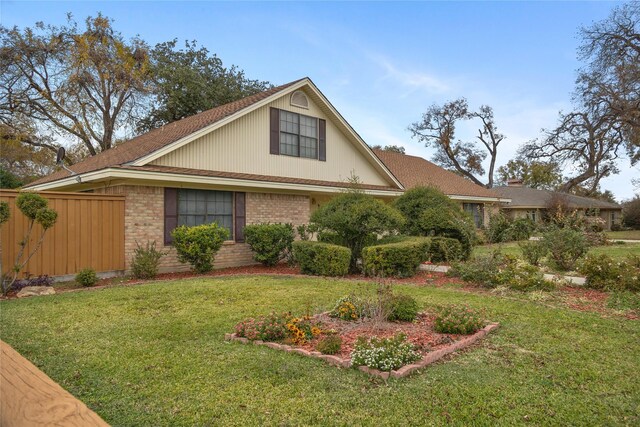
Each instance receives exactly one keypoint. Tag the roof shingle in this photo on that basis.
(531, 197)
(413, 171)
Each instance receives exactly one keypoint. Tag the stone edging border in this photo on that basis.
(428, 359)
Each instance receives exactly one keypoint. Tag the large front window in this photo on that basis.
(298, 135)
(196, 207)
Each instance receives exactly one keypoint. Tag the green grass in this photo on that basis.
(625, 235)
(154, 354)
(616, 251)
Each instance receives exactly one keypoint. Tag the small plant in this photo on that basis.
(269, 242)
(348, 308)
(198, 245)
(266, 328)
(145, 261)
(330, 344)
(604, 273)
(404, 308)
(302, 329)
(385, 354)
(87, 277)
(565, 246)
(321, 259)
(456, 319)
(533, 251)
(42, 280)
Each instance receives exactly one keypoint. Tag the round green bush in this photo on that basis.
(198, 245)
(404, 308)
(565, 246)
(456, 319)
(270, 243)
(399, 259)
(330, 344)
(321, 259)
(87, 277)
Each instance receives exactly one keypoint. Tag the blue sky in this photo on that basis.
(382, 63)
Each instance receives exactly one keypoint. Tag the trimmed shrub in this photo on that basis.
(330, 344)
(456, 319)
(565, 247)
(321, 259)
(501, 270)
(355, 217)
(445, 249)
(429, 212)
(502, 229)
(30, 204)
(270, 243)
(87, 277)
(385, 354)
(533, 251)
(198, 245)
(145, 261)
(404, 308)
(520, 229)
(399, 259)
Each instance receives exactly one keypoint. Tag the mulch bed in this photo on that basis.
(420, 333)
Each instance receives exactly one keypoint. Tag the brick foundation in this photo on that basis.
(144, 221)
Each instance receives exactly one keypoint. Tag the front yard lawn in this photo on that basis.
(155, 354)
(624, 235)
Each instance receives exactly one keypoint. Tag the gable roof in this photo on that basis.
(525, 197)
(156, 139)
(413, 171)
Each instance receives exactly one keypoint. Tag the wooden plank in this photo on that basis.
(31, 398)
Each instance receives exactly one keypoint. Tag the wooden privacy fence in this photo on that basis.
(89, 233)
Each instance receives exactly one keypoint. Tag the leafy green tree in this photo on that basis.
(357, 218)
(631, 213)
(191, 80)
(534, 174)
(429, 212)
(78, 83)
(8, 180)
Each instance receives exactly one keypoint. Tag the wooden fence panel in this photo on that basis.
(89, 233)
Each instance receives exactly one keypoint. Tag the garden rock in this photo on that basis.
(34, 291)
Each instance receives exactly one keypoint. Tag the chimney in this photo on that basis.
(514, 182)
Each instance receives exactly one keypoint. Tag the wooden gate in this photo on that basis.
(89, 233)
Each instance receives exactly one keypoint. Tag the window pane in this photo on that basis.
(196, 207)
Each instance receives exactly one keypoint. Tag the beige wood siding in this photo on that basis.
(243, 146)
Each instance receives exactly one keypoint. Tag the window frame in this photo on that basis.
(232, 215)
(299, 135)
(478, 220)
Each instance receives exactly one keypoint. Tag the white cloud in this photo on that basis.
(414, 80)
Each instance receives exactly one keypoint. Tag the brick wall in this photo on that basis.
(144, 221)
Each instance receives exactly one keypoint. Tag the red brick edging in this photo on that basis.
(428, 359)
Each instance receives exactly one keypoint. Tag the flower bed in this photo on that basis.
(417, 341)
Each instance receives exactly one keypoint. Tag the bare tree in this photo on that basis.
(86, 85)
(437, 129)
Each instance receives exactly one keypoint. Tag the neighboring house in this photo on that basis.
(271, 157)
(532, 203)
(415, 171)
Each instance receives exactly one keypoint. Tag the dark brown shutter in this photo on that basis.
(240, 216)
(274, 144)
(322, 140)
(170, 213)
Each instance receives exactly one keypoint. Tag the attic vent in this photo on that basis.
(299, 99)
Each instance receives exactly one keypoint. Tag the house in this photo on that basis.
(532, 203)
(271, 157)
(413, 171)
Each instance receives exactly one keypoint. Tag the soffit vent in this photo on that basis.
(299, 99)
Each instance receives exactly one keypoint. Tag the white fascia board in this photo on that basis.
(116, 173)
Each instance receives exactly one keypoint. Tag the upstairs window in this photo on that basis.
(297, 135)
